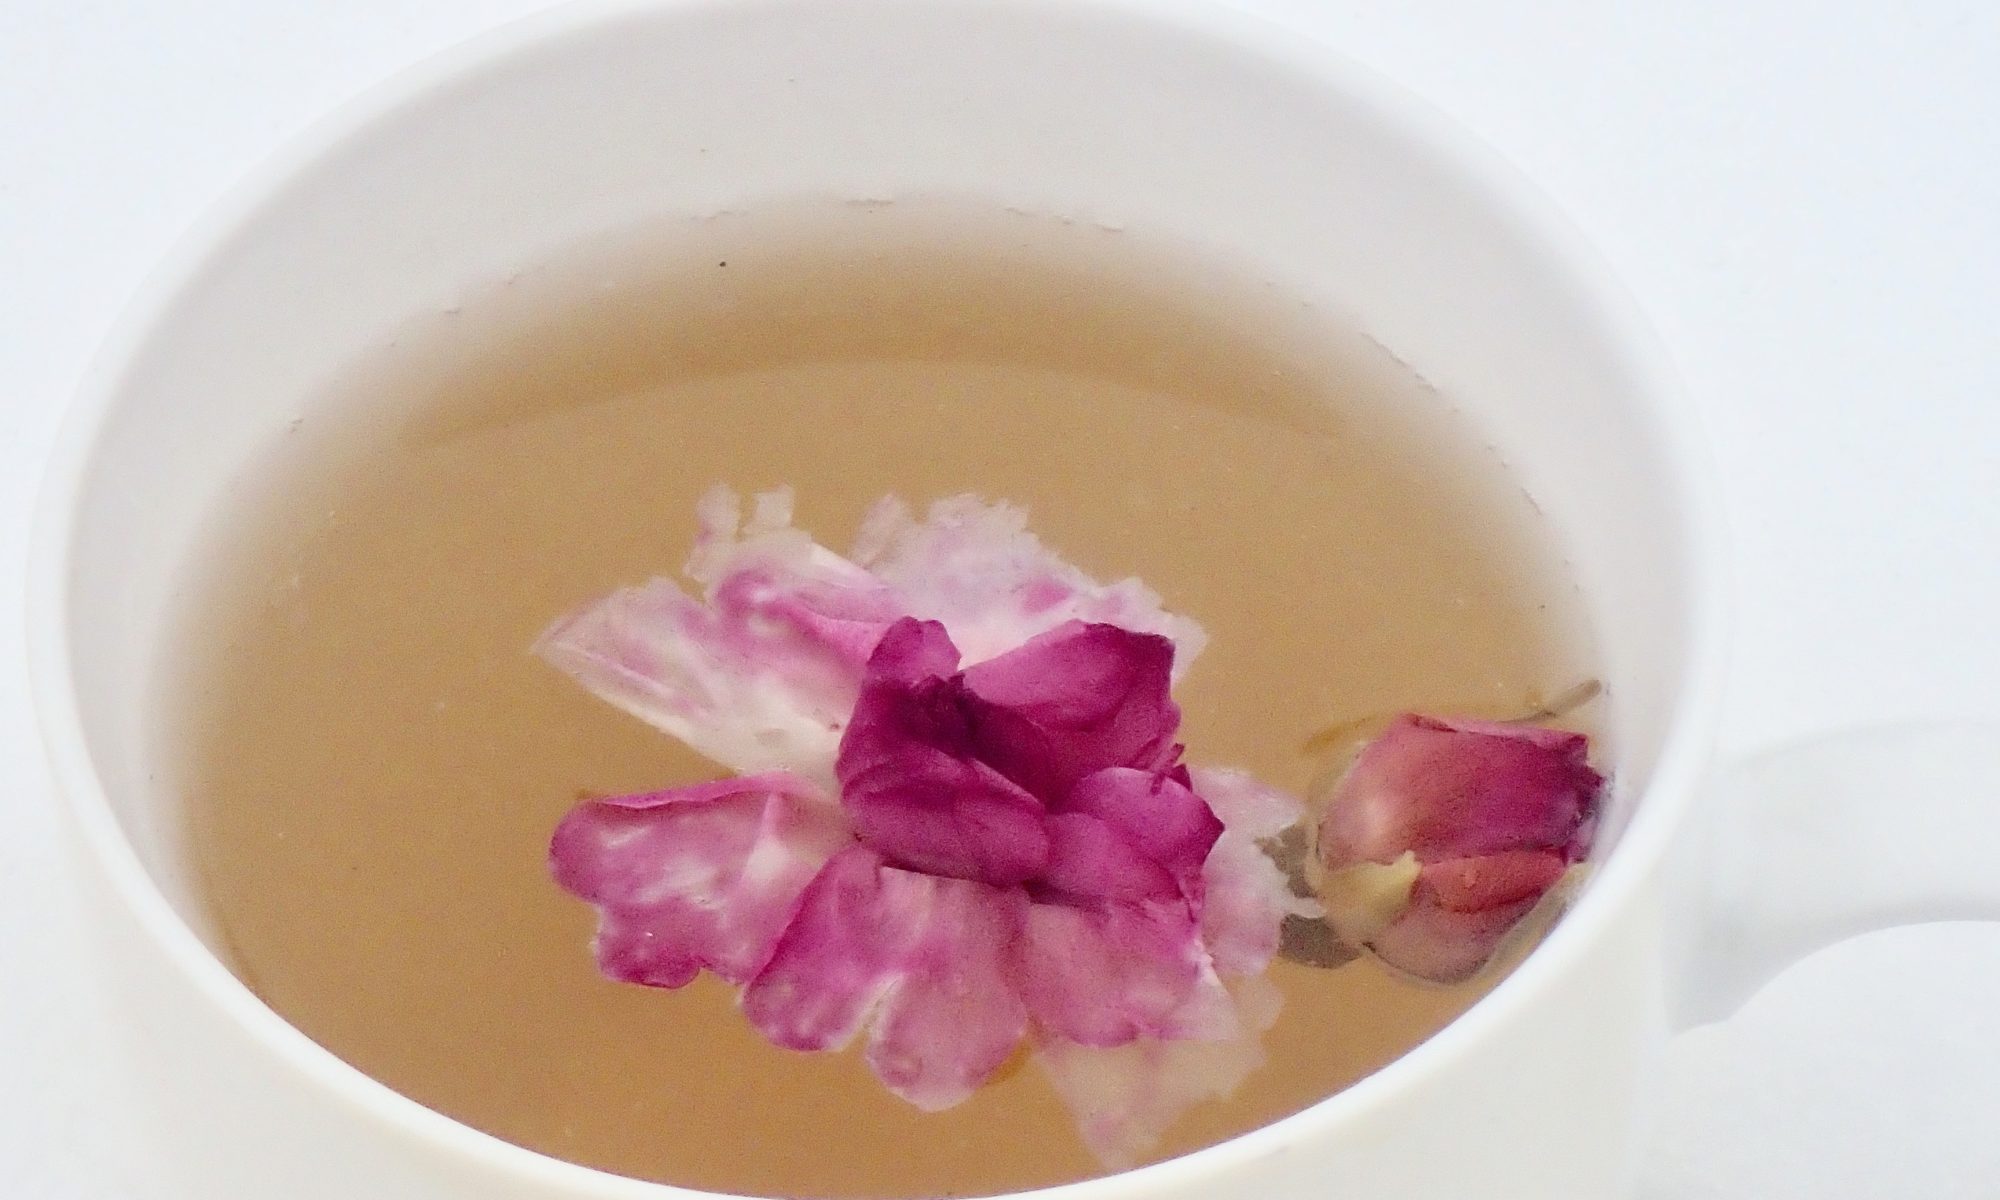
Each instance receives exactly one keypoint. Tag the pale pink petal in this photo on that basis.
(917, 959)
(1244, 908)
(696, 877)
(1108, 972)
(759, 677)
(1245, 804)
(830, 967)
(1246, 896)
(1124, 1098)
(975, 567)
(766, 566)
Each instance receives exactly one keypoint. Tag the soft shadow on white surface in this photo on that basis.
(81, 1140)
(1871, 1071)
(118, 124)
(66, 1124)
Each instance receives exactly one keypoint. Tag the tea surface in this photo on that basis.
(373, 761)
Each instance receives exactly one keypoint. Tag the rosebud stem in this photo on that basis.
(1561, 704)
(1564, 703)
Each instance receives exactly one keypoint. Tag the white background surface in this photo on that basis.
(1806, 196)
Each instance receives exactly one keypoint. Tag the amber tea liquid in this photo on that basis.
(372, 761)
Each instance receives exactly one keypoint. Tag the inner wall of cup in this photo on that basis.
(1060, 109)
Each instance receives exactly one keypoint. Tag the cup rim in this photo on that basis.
(1503, 188)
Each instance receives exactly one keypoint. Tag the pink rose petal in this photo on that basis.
(1246, 897)
(696, 877)
(1071, 701)
(952, 1018)
(1125, 1097)
(975, 567)
(909, 779)
(917, 959)
(762, 675)
(1245, 805)
(1092, 859)
(1160, 814)
(1491, 880)
(1112, 971)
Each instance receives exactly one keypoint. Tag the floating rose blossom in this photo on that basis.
(1444, 834)
(962, 820)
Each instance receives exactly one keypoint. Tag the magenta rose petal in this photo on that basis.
(696, 877)
(1071, 701)
(912, 652)
(919, 958)
(950, 817)
(1090, 858)
(975, 567)
(911, 782)
(1104, 973)
(1486, 817)
(1161, 816)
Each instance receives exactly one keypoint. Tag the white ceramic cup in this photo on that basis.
(1171, 117)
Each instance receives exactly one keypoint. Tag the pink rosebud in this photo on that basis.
(1444, 834)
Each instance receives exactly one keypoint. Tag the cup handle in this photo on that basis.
(1800, 848)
